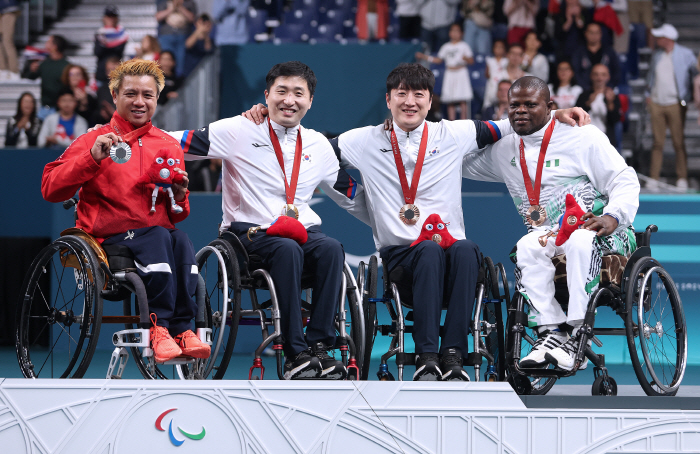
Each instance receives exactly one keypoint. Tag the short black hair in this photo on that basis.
(60, 43)
(172, 55)
(458, 24)
(292, 69)
(531, 82)
(65, 91)
(205, 17)
(412, 76)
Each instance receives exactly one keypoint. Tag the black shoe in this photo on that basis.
(331, 369)
(451, 365)
(303, 365)
(427, 367)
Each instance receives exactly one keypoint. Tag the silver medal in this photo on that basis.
(120, 152)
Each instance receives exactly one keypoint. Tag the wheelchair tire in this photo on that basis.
(356, 323)
(370, 309)
(215, 367)
(659, 350)
(537, 385)
(604, 386)
(62, 289)
(492, 313)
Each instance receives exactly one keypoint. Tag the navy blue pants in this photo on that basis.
(439, 275)
(285, 260)
(165, 262)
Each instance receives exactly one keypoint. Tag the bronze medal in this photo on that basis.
(536, 215)
(571, 220)
(290, 210)
(409, 214)
(437, 238)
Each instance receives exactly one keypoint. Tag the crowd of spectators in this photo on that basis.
(573, 45)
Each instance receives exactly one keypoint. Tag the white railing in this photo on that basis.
(197, 103)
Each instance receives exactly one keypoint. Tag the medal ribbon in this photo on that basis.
(409, 193)
(534, 195)
(290, 188)
(129, 136)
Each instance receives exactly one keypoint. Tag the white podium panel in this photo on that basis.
(145, 417)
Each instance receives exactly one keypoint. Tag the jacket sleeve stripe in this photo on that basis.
(487, 132)
(186, 140)
(345, 184)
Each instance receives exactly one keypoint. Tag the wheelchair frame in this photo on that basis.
(242, 278)
(487, 325)
(95, 281)
(635, 287)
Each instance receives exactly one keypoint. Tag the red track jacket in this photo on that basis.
(111, 202)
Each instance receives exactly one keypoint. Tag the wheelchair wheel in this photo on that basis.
(656, 331)
(492, 314)
(523, 384)
(58, 322)
(355, 321)
(223, 304)
(370, 310)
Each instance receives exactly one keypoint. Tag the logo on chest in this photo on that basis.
(305, 157)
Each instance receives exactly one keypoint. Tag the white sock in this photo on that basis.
(552, 328)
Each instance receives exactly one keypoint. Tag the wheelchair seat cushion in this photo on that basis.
(120, 257)
(612, 269)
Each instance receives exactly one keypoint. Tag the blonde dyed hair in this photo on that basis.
(136, 67)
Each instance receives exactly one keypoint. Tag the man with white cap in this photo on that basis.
(669, 85)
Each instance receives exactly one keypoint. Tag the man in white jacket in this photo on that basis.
(577, 161)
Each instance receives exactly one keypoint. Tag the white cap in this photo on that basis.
(666, 31)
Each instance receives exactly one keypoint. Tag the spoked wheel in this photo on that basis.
(656, 331)
(218, 266)
(537, 385)
(355, 323)
(492, 315)
(58, 322)
(369, 290)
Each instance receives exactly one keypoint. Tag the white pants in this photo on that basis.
(535, 275)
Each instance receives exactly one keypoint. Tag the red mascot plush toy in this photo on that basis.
(435, 230)
(570, 220)
(285, 227)
(162, 173)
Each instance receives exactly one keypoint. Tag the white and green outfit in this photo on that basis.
(580, 161)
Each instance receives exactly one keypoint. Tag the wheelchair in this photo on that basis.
(645, 297)
(487, 325)
(60, 313)
(245, 272)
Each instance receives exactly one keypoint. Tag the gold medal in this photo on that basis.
(536, 215)
(409, 214)
(290, 210)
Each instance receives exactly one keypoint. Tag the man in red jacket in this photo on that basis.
(115, 209)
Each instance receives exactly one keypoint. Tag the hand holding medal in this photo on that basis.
(103, 145)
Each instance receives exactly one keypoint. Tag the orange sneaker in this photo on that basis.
(163, 345)
(192, 346)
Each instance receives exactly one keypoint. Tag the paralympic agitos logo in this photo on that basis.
(173, 439)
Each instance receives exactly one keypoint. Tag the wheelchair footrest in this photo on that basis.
(406, 359)
(141, 338)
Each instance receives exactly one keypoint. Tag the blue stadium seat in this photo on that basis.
(333, 17)
(439, 72)
(477, 74)
(304, 16)
(256, 25)
(325, 33)
(290, 33)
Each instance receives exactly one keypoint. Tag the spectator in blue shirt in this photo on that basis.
(63, 127)
(199, 44)
(230, 18)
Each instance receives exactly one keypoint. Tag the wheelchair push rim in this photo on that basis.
(61, 306)
(657, 335)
